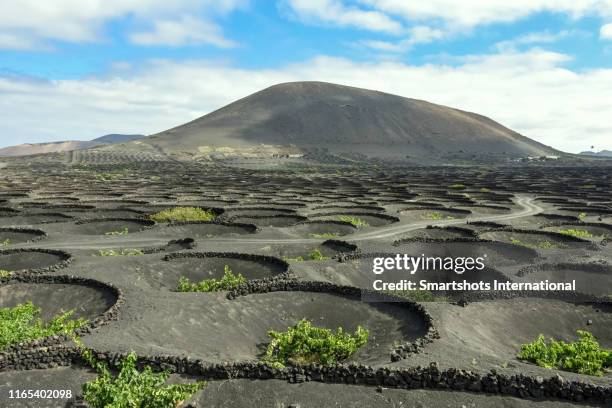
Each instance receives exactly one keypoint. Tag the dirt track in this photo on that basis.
(527, 207)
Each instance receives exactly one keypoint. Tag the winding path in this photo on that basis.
(527, 204)
(527, 207)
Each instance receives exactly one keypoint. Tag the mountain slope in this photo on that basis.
(64, 146)
(603, 153)
(116, 138)
(342, 118)
(39, 148)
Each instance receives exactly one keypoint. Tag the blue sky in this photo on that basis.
(77, 69)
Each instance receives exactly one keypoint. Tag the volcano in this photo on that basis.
(307, 115)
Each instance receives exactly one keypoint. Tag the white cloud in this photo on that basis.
(32, 23)
(543, 37)
(15, 41)
(184, 31)
(606, 32)
(470, 13)
(529, 91)
(439, 18)
(335, 12)
(418, 35)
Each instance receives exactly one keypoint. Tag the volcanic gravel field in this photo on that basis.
(459, 350)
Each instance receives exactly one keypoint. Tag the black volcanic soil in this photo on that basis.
(30, 259)
(506, 324)
(19, 235)
(280, 220)
(598, 231)
(267, 215)
(111, 226)
(53, 299)
(199, 266)
(595, 279)
(537, 239)
(238, 393)
(61, 378)
(32, 219)
(498, 254)
(309, 228)
(245, 393)
(208, 229)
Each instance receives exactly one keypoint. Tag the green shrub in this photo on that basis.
(577, 233)
(23, 323)
(229, 281)
(417, 295)
(107, 176)
(325, 235)
(537, 245)
(132, 388)
(436, 216)
(458, 186)
(582, 215)
(584, 356)
(121, 252)
(296, 259)
(6, 242)
(305, 343)
(314, 255)
(179, 214)
(357, 222)
(123, 231)
(548, 245)
(433, 216)
(5, 274)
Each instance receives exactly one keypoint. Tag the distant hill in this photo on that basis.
(306, 115)
(603, 153)
(64, 146)
(117, 138)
